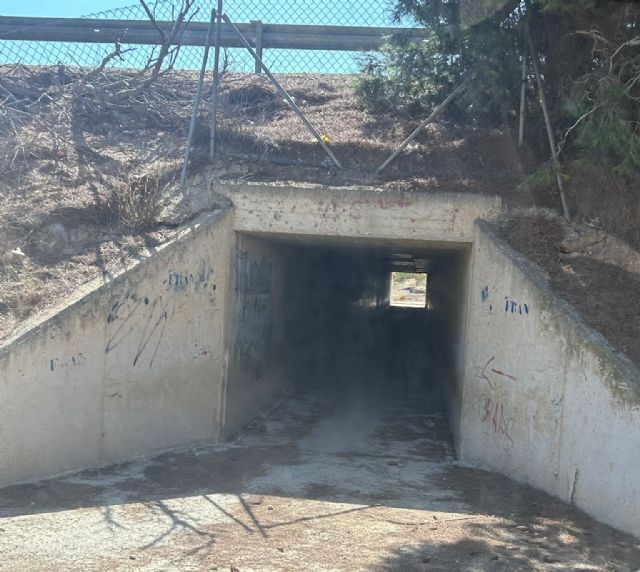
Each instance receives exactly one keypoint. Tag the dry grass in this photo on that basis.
(138, 202)
(81, 177)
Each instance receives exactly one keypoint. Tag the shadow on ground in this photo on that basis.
(344, 477)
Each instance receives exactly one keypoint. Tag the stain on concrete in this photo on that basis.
(254, 313)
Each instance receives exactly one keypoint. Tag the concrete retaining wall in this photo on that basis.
(547, 401)
(135, 366)
(359, 213)
(191, 343)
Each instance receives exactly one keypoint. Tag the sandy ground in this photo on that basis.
(333, 478)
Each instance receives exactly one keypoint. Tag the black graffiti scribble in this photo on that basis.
(146, 337)
(152, 331)
(115, 340)
(515, 307)
(179, 281)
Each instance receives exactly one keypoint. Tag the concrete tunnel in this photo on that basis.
(286, 289)
(313, 311)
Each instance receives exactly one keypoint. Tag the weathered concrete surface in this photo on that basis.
(546, 399)
(358, 212)
(134, 366)
(189, 345)
(448, 288)
(258, 321)
(340, 477)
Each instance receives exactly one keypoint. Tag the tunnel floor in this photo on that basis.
(336, 476)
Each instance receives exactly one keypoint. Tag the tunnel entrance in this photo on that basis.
(315, 314)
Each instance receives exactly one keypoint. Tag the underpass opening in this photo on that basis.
(314, 314)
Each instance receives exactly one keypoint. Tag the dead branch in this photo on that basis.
(128, 87)
(618, 64)
(118, 52)
(171, 42)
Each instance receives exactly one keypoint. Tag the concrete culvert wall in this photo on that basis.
(546, 399)
(290, 290)
(155, 358)
(134, 366)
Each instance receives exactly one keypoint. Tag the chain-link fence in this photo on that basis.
(369, 13)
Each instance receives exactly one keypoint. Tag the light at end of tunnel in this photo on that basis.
(408, 290)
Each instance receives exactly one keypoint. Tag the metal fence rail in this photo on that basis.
(308, 36)
(264, 36)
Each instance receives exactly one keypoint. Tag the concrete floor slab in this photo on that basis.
(332, 478)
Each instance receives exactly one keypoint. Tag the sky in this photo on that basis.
(328, 12)
(62, 8)
(354, 12)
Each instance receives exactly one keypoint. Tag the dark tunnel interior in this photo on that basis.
(316, 312)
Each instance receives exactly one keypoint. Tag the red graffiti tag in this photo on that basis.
(494, 413)
(492, 384)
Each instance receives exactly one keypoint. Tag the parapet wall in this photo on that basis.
(546, 399)
(354, 212)
(136, 365)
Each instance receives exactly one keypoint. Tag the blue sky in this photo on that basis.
(62, 8)
(332, 12)
(337, 12)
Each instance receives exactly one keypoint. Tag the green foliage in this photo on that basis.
(411, 77)
(543, 178)
(400, 277)
(407, 77)
(588, 53)
(606, 106)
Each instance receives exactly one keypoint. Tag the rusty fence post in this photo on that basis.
(290, 102)
(196, 102)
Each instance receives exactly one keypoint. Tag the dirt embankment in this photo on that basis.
(86, 184)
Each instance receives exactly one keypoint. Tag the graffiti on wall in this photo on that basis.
(67, 362)
(254, 313)
(140, 321)
(197, 280)
(484, 296)
(493, 414)
(512, 306)
(493, 376)
(493, 409)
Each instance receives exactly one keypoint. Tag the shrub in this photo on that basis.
(138, 203)
(406, 76)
